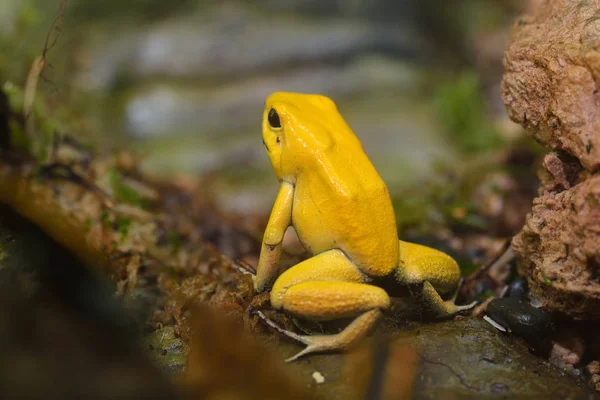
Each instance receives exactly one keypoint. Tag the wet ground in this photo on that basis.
(463, 358)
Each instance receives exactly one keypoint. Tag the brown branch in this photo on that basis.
(38, 67)
(57, 26)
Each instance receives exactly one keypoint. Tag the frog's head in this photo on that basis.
(298, 129)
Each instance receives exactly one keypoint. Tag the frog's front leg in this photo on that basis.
(270, 253)
(429, 274)
(327, 287)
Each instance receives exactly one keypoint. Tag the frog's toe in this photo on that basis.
(301, 338)
(307, 350)
(319, 344)
(470, 306)
(453, 309)
(457, 309)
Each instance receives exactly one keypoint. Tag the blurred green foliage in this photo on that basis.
(46, 125)
(461, 109)
(138, 9)
(16, 53)
(442, 201)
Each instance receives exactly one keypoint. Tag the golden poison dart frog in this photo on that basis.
(342, 213)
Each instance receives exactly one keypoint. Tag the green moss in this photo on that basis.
(18, 137)
(123, 192)
(467, 266)
(105, 218)
(123, 225)
(547, 281)
(485, 295)
(461, 109)
(168, 269)
(174, 241)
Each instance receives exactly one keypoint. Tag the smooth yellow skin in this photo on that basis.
(343, 215)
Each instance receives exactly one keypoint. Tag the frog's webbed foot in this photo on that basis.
(434, 304)
(340, 341)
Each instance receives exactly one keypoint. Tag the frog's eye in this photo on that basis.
(273, 118)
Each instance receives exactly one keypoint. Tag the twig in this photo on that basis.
(56, 26)
(504, 256)
(64, 172)
(37, 69)
(243, 267)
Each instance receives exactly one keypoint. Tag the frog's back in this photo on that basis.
(342, 202)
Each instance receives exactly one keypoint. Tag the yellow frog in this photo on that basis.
(343, 215)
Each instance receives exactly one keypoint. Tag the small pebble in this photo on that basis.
(318, 377)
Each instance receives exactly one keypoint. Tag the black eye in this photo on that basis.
(273, 119)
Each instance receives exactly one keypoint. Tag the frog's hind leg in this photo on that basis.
(329, 287)
(428, 272)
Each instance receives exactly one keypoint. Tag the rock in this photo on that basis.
(517, 288)
(469, 357)
(550, 87)
(551, 70)
(560, 250)
(519, 317)
(463, 358)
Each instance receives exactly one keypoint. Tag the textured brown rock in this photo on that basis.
(550, 87)
(552, 69)
(560, 251)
